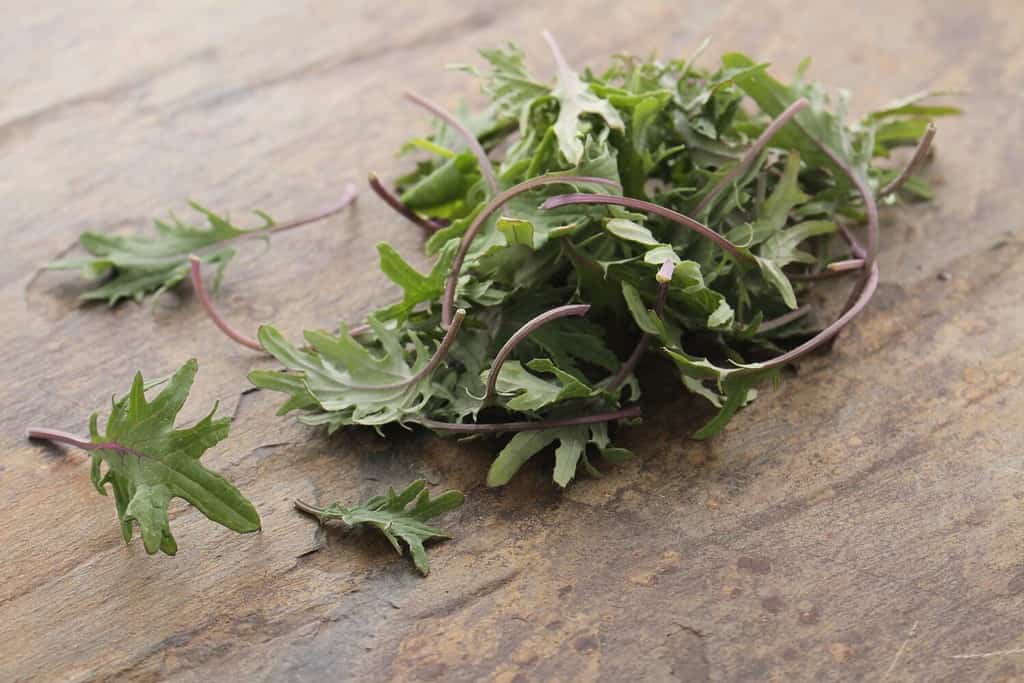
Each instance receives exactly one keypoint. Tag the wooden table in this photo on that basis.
(862, 522)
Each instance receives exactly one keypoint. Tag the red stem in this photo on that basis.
(398, 205)
(58, 436)
(832, 330)
(650, 207)
(347, 197)
(785, 318)
(211, 310)
(482, 159)
(522, 333)
(920, 152)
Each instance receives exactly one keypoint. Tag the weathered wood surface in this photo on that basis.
(863, 522)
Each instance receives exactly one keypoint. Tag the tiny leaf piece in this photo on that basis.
(147, 462)
(392, 515)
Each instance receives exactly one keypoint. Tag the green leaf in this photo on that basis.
(735, 386)
(575, 99)
(626, 229)
(775, 213)
(138, 266)
(531, 393)
(163, 463)
(350, 383)
(391, 515)
(815, 121)
(417, 288)
(448, 183)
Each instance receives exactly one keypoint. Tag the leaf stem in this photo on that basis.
(486, 169)
(920, 152)
(309, 509)
(856, 248)
(785, 318)
(522, 333)
(531, 425)
(748, 157)
(467, 238)
(347, 197)
(58, 436)
(211, 311)
(650, 207)
(392, 200)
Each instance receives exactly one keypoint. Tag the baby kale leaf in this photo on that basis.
(140, 265)
(147, 462)
(391, 515)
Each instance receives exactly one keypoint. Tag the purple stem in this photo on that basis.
(347, 197)
(748, 158)
(211, 310)
(650, 207)
(58, 436)
(484, 162)
(398, 205)
(832, 330)
(785, 318)
(435, 360)
(920, 152)
(856, 248)
(487, 212)
(664, 277)
(532, 425)
(521, 334)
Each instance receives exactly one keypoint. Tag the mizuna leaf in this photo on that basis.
(146, 462)
(392, 516)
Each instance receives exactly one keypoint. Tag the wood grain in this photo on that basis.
(863, 522)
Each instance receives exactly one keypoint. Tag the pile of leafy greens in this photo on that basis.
(576, 227)
(692, 206)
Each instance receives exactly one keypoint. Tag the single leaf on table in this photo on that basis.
(140, 265)
(392, 516)
(147, 462)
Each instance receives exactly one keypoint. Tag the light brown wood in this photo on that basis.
(863, 522)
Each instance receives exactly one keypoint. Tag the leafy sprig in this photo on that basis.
(146, 462)
(399, 516)
(136, 266)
